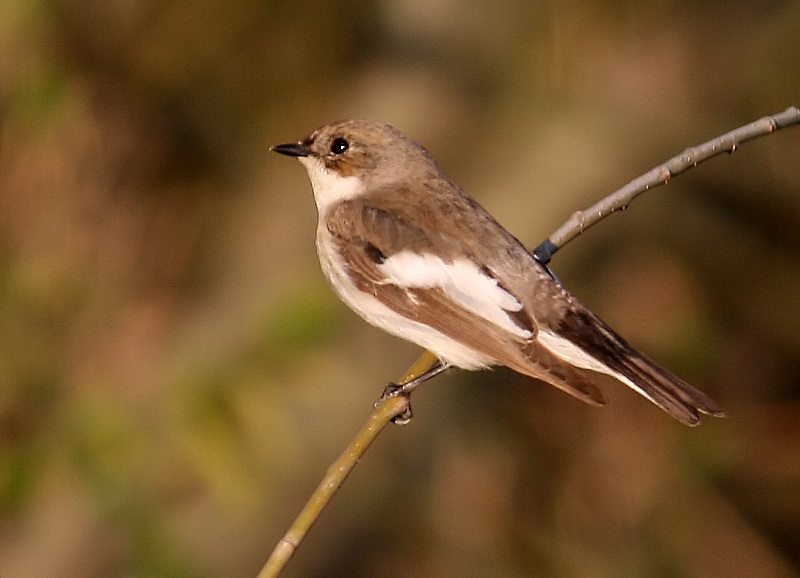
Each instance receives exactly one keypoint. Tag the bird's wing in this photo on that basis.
(434, 278)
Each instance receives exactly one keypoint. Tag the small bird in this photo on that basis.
(414, 255)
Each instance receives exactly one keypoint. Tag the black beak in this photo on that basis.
(291, 150)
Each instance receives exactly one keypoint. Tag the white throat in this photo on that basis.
(329, 187)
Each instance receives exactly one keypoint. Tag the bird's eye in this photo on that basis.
(339, 145)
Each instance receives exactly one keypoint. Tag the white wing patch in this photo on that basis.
(462, 281)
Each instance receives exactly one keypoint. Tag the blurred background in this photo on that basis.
(176, 376)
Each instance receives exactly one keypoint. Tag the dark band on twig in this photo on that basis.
(544, 252)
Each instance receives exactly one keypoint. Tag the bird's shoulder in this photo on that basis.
(402, 218)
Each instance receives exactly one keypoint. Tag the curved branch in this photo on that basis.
(691, 157)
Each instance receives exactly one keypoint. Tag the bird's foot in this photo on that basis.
(393, 390)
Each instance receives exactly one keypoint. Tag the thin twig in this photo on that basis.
(391, 407)
(385, 411)
(691, 157)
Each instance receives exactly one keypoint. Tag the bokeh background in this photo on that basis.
(175, 375)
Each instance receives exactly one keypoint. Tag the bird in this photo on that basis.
(414, 255)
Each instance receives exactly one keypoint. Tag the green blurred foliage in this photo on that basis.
(175, 376)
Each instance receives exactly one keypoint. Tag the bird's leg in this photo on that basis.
(394, 389)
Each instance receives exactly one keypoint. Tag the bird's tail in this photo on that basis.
(584, 340)
(663, 388)
(642, 374)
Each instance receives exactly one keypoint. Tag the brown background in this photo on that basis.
(175, 376)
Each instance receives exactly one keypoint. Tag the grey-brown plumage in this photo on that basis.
(407, 249)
